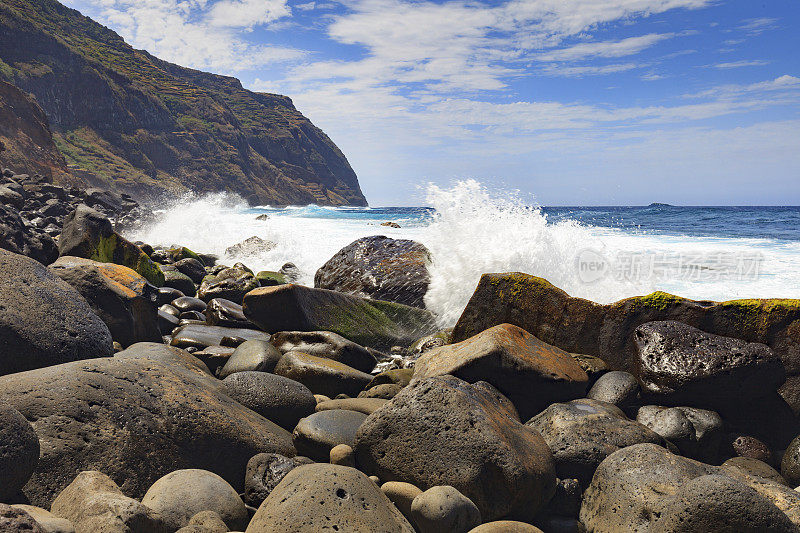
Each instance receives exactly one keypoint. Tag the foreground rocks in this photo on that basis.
(19, 451)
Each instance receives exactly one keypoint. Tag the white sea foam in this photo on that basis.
(474, 231)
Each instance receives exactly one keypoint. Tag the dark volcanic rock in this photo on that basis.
(43, 320)
(322, 375)
(135, 419)
(583, 432)
(371, 323)
(122, 298)
(264, 472)
(282, 400)
(531, 373)
(444, 431)
(16, 237)
(253, 355)
(321, 497)
(617, 387)
(683, 364)
(325, 344)
(696, 432)
(19, 451)
(192, 268)
(202, 335)
(179, 281)
(316, 434)
(222, 312)
(231, 284)
(15, 520)
(380, 268)
(790, 464)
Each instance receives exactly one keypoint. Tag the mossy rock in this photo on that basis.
(269, 278)
(183, 253)
(180, 281)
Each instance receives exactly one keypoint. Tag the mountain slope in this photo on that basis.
(128, 121)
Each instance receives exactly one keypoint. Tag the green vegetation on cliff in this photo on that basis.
(129, 121)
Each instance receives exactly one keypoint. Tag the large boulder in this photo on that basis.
(135, 419)
(254, 355)
(531, 373)
(445, 431)
(202, 336)
(230, 284)
(606, 331)
(697, 433)
(322, 375)
(280, 399)
(317, 434)
(43, 320)
(13, 519)
(583, 432)
(325, 344)
(372, 323)
(89, 234)
(683, 365)
(122, 298)
(19, 451)
(19, 238)
(395, 270)
(324, 497)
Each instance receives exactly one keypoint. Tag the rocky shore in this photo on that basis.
(149, 389)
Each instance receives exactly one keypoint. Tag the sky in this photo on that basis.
(571, 102)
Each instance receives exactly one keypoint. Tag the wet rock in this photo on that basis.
(790, 464)
(89, 234)
(683, 364)
(125, 412)
(249, 247)
(444, 508)
(696, 432)
(168, 355)
(253, 355)
(188, 303)
(180, 495)
(313, 497)
(444, 431)
(264, 472)
(214, 357)
(325, 344)
(166, 295)
(618, 388)
(123, 299)
(202, 335)
(222, 312)
(18, 238)
(583, 432)
(374, 324)
(19, 451)
(322, 375)
(179, 281)
(192, 268)
(13, 519)
(167, 322)
(362, 405)
(230, 284)
(318, 433)
(532, 374)
(276, 398)
(379, 268)
(93, 502)
(269, 278)
(43, 320)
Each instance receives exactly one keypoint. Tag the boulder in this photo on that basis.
(401, 495)
(169, 355)
(202, 336)
(230, 284)
(371, 323)
(13, 520)
(192, 268)
(506, 526)
(444, 431)
(205, 522)
(444, 508)
(253, 355)
(583, 432)
(617, 387)
(276, 398)
(18, 238)
(93, 502)
(318, 497)
(222, 312)
(269, 278)
(753, 468)
(43, 320)
(264, 472)
(19, 451)
(790, 464)
(249, 247)
(187, 303)
(325, 344)
(316, 434)
(531, 373)
(322, 375)
(49, 522)
(697, 433)
(179, 281)
(342, 454)
(182, 494)
(679, 363)
(362, 405)
(122, 298)
(118, 414)
(89, 234)
(394, 270)
(606, 331)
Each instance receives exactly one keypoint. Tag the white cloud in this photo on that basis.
(741, 64)
(588, 70)
(246, 13)
(605, 49)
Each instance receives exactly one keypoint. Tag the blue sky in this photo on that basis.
(577, 102)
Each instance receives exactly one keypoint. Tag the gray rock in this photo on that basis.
(444, 431)
(168, 355)
(319, 497)
(322, 375)
(362, 405)
(325, 344)
(19, 451)
(264, 472)
(318, 433)
(253, 355)
(276, 398)
(619, 388)
(18, 238)
(179, 281)
(506, 526)
(205, 522)
(192, 268)
(222, 312)
(180, 495)
(696, 432)
(43, 320)
(202, 336)
(444, 508)
(583, 432)
(188, 303)
(230, 283)
(790, 464)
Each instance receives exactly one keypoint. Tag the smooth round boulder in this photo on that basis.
(264, 472)
(316, 434)
(257, 355)
(180, 495)
(325, 344)
(325, 497)
(14, 520)
(205, 522)
(222, 312)
(342, 454)
(506, 526)
(401, 494)
(188, 303)
(719, 504)
(44, 321)
(697, 433)
(790, 464)
(192, 268)
(583, 432)
(19, 451)
(362, 405)
(444, 508)
(444, 431)
(617, 387)
(276, 398)
(322, 375)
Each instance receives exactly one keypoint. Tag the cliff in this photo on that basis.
(128, 121)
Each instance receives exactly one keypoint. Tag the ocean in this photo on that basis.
(600, 253)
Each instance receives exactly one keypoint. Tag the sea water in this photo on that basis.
(600, 253)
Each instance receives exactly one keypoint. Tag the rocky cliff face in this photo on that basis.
(126, 120)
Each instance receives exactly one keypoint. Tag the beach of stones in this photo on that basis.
(152, 389)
